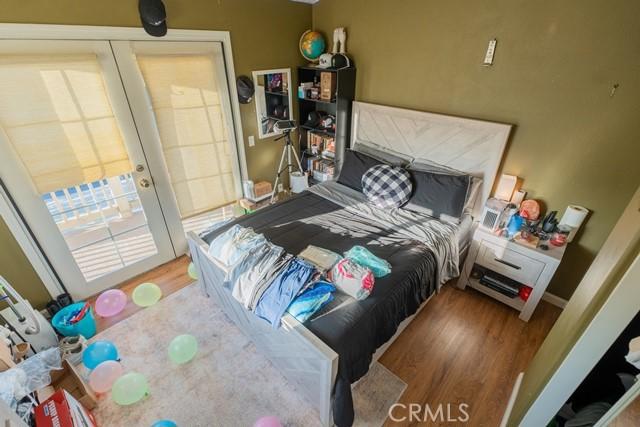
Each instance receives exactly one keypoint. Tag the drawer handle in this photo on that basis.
(501, 261)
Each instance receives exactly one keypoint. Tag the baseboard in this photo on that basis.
(512, 399)
(554, 300)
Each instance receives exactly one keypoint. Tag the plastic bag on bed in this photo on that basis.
(362, 256)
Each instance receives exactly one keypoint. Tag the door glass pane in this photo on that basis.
(58, 120)
(184, 92)
(103, 224)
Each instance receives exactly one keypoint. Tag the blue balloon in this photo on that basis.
(164, 423)
(98, 352)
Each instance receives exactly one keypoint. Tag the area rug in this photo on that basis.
(228, 383)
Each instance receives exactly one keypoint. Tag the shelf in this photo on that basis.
(259, 199)
(312, 68)
(516, 302)
(317, 101)
(269, 92)
(316, 130)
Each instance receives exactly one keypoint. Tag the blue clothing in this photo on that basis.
(282, 290)
(311, 300)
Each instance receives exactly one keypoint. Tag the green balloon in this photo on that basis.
(146, 294)
(183, 348)
(193, 273)
(129, 388)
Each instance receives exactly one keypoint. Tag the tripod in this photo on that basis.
(286, 151)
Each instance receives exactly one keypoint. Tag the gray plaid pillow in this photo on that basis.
(386, 186)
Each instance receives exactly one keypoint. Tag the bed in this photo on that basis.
(332, 350)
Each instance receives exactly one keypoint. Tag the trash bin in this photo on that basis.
(85, 326)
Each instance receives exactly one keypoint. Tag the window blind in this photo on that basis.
(184, 93)
(55, 113)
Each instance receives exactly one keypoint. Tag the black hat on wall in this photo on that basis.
(245, 89)
(153, 16)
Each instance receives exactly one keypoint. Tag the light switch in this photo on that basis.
(252, 141)
(491, 50)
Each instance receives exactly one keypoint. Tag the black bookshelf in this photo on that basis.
(339, 106)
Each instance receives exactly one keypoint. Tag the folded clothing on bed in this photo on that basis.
(353, 279)
(316, 296)
(283, 289)
(270, 274)
(323, 259)
(232, 245)
(363, 256)
(247, 273)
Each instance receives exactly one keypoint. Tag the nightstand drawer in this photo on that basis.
(510, 263)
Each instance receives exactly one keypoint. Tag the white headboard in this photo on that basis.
(467, 145)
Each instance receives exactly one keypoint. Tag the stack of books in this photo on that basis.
(321, 145)
(323, 150)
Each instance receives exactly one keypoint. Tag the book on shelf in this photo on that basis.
(329, 154)
(318, 143)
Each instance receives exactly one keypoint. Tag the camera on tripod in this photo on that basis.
(288, 152)
(283, 126)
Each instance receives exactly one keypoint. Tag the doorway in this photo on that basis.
(112, 150)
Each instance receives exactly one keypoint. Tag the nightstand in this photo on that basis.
(498, 267)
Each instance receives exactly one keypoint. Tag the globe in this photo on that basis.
(312, 45)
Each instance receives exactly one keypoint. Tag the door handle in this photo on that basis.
(507, 263)
(144, 183)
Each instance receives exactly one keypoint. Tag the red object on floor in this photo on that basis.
(63, 410)
(525, 291)
(78, 317)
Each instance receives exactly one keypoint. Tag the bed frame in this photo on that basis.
(472, 146)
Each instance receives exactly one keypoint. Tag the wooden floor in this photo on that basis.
(170, 277)
(463, 348)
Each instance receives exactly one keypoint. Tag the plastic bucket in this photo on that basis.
(85, 327)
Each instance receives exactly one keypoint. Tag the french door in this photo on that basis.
(179, 97)
(104, 153)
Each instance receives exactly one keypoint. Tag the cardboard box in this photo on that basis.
(69, 379)
(62, 410)
(327, 86)
(262, 188)
(6, 361)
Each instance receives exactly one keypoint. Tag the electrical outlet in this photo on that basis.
(280, 189)
(491, 51)
(252, 141)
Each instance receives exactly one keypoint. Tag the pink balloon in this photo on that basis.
(104, 375)
(111, 302)
(268, 421)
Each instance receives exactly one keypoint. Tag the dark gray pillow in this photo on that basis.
(388, 157)
(438, 195)
(353, 167)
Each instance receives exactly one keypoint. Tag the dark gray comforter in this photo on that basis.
(353, 329)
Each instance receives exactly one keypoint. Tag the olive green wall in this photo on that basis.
(555, 64)
(264, 35)
(15, 267)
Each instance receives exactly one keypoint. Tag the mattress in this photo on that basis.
(353, 329)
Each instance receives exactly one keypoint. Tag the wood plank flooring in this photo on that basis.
(464, 347)
(170, 277)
